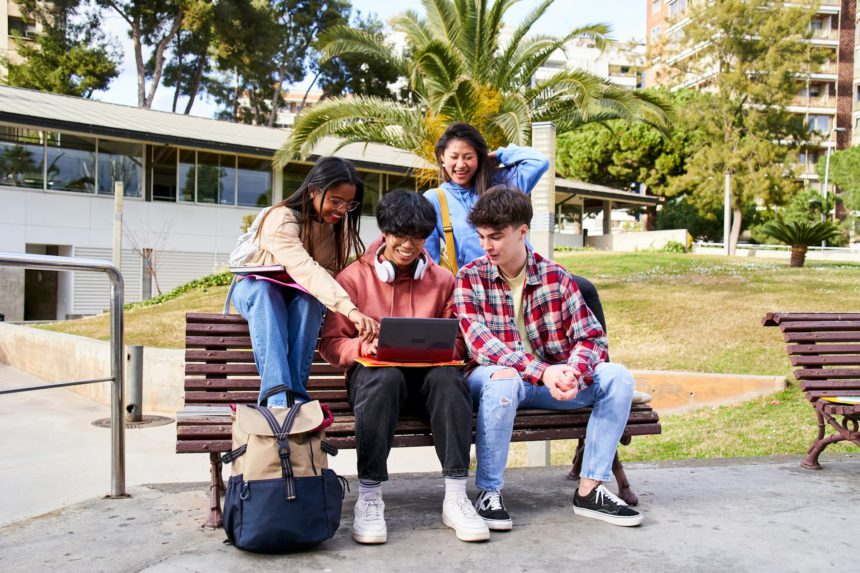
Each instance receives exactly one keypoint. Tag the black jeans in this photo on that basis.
(379, 395)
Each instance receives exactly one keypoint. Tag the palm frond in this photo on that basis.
(801, 233)
(519, 33)
(443, 20)
(358, 119)
(414, 27)
(513, 120)
(343, 40)
(437, 65)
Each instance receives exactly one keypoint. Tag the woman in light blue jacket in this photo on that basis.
(468, 169)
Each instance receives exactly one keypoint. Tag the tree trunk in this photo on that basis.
(737, 220)
(138, 60)
(198, 77)
(798, 255)
(650, 222)
(178, 72)
(158, 66)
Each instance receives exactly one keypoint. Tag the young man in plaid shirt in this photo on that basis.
(535, 344)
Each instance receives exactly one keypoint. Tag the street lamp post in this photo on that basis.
(824, 210)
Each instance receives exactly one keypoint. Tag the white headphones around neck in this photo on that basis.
(387, 271)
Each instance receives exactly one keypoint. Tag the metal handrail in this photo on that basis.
(117, 377)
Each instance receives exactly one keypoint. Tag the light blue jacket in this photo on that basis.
(523, 167)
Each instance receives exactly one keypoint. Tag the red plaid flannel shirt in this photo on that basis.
(560, 327)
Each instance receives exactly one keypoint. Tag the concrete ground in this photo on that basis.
(762, 514)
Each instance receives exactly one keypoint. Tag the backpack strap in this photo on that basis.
(264, 397)
(282, 435)
(451, 251)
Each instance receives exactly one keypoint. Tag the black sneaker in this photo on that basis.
(492, 510)
(604, 505)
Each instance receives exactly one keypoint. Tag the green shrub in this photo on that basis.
(219, 279)
(673, 247)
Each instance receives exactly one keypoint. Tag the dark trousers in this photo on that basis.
(379, 395)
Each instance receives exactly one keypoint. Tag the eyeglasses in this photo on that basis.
(341, 205)
(400, 240)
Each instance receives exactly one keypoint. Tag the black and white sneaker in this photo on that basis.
(492, 510)
(604, 505)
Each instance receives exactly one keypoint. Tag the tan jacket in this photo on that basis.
(280, 243)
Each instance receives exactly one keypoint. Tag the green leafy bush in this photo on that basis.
(219, 279)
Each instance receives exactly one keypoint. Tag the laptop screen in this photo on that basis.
(417, 339)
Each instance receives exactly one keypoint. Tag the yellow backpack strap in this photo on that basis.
(448, 230)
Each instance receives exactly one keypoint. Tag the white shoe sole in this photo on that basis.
(499, 524)
(370, 538)
(614, 520)
(467, 535)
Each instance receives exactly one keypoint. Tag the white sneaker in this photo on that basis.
(369, 523)
(459, 514)
(641, 397)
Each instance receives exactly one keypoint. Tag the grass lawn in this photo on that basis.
(664, 312)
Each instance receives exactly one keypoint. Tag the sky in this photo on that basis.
(626, 18)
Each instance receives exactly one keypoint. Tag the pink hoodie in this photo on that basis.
(429, 297)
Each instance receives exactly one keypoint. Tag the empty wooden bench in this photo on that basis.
(825, 348)
(220, 371)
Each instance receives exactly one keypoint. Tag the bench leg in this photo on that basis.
(216, 490)
(576, 469)
(624, 491)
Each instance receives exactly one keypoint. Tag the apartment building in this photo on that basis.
(831, 97)
(14, 28)
(622, 63)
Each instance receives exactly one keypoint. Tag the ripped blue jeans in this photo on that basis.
(499, 399)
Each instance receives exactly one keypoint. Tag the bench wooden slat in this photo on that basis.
(844, 360)
(818, 337)
(775, 318)
(826, 373)
(223, 384)
(202, 329)
(240, 356)
(235, 342)
(820, 326)
(210, 318)
(817, 349)
(847, 384)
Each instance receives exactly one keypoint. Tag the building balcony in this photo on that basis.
(824, 101)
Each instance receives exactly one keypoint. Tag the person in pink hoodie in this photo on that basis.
(397, 278)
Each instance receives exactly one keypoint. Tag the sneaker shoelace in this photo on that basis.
(601, 493)
(492, 500)
(465, 508)
(371, 509)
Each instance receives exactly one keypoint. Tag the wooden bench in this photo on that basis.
(220, 370)
(825, 348)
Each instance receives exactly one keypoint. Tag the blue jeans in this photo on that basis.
(498, 400)
(284, 325)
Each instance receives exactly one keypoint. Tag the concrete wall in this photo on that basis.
(638, 241)
(58, 357)
(568, 240)
(845, 255)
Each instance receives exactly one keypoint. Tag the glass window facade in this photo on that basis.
(162, 167)
(227, 181)
(120, 161)
(254, 182)
(372, 192)
(71, 163)
(187, 175)
(22, 157)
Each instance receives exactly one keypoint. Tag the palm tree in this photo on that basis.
(458, 68)
(800, 235)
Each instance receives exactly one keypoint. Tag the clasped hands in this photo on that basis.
(562, 380)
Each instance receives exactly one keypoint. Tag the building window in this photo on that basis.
(655, 6)
(71, 163)
(120, 161)
(187, 175)
(162, 162)
(655, 33)
(254, 182)
(22, 157)
(807, 157)
(21, 29)
(819, 123)
(371, 192)
(814, 90)
(678, 7)
(216, 178)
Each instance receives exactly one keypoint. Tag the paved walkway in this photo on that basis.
(762, 514)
